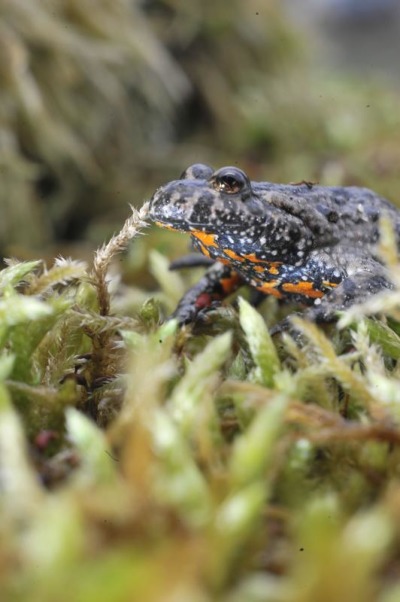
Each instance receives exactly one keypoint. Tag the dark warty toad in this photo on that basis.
(310, 244)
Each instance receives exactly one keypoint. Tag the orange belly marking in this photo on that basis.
(208, 240)
(271, 266)
(204, 250)
(233, 255)
(330, 284)
(252, 257)
(269, 288)
(302, 288)
(229, 285)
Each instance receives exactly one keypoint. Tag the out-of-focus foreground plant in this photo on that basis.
(143, 461)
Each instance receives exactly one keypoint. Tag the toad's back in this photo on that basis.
(355, 210)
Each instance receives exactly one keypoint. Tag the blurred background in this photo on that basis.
(102, 101)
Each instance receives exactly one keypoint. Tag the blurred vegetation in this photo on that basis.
(139, 461)
(142, 461)
(100, 103)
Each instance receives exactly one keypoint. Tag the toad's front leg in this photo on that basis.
(218, 282)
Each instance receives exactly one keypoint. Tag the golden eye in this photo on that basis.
(229, 180)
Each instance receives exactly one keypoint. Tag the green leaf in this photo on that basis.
(16, 309)
(170, 282)
(385, 337)
(240, 513)
(6, 365)
(177, 478)
(63, 271)
(339, 557)
(254, 450)
(96, 459)
(19, 489)
(30, 319)
(15, 273)
(260, 343)
(189, 392)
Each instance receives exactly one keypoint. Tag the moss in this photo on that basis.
(131, 449)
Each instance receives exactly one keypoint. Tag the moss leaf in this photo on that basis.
(260, 343)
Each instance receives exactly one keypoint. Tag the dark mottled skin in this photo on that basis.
(306, 243)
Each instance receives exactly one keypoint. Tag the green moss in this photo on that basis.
(212, 462)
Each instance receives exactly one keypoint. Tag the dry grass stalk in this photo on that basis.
(106, 253)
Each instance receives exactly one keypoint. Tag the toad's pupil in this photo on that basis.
(229, 184)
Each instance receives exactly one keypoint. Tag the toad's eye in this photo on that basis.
(229, 180)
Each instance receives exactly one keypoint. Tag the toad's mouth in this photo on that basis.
(179, 225)
(167, 226)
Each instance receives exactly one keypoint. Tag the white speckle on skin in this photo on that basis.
(317, 301)
(175, 196)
